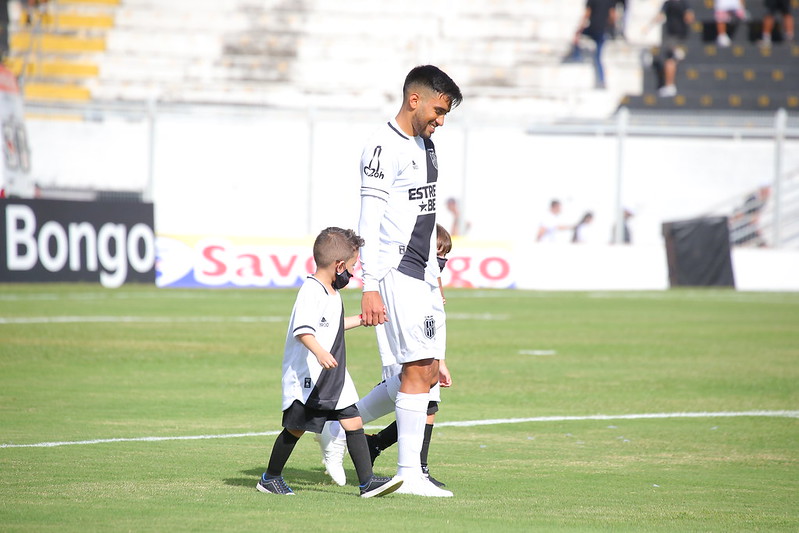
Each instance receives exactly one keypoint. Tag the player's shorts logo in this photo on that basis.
(429, 327)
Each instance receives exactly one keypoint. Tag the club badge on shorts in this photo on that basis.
(429, 327)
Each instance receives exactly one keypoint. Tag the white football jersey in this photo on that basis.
(321, 314)
(398, 204)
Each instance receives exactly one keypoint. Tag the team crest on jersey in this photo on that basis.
(324, 323)
(433, 158)
(429, 327)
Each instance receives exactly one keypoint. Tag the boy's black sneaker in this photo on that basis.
(434, 481)
(374, 449)
(274, 485)
(380, 486)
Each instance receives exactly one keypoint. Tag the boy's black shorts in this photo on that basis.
(301, 417)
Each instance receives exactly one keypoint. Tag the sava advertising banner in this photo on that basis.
(186, 261)
(57, 241)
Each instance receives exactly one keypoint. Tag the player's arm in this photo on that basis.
(353, 322)
(324, 357)
(376, 179)
(444, 377)
(372, 209)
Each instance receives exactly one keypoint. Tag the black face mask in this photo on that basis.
(341, 280)
(441, 262)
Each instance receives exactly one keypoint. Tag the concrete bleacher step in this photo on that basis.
(731, 77)
(53, 68)
(766, 101)
(48, 43)
(56, 92)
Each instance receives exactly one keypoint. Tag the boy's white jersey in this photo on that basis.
(321, 314)
(398, 205)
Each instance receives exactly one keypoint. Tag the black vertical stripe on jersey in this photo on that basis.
(327, 391)
(417, 251)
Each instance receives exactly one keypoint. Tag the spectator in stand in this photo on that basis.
(582, 229)
(626, 236)
(550, 224)
(676, 16)
(598, 16)
(727, 11)
(457, 226)
(783, 7)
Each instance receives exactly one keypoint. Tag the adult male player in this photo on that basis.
(399, 171)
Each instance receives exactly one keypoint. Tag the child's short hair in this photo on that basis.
(335, 244)
(443, 240)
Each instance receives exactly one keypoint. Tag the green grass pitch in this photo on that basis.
(83, 366)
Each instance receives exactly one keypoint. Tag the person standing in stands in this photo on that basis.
(773, 7)
(598, 16)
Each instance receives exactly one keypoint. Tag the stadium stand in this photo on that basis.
(54, 50)
(313, 52)
(745, 76)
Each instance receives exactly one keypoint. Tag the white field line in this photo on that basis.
(136, 319)
(465, 423)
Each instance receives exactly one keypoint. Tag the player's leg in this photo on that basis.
(272, 480)
(333, 445)
(370, 485)
(409, 334)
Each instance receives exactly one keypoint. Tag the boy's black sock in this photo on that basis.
(281, 451)
(428, 434)
(387, 436)
(359, 452)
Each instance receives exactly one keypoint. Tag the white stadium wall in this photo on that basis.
(277, 175)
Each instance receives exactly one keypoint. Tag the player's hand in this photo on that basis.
(373, 312)
(327, 360)
(444, 377)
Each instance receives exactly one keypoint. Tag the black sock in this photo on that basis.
(281, 451)
(428, 434)
(387, 436)
(359, 453)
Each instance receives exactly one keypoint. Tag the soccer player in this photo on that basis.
(380, 400)
(399, 170)
(316, 384)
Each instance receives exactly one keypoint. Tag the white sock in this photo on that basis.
(376, 404)
(337, 431)
(411, 412)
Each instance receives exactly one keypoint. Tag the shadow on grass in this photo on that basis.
(305, 480)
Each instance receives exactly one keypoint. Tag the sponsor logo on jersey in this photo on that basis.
(308, 383)
(372, 170)
(324, 323)
(427, 194)
(429, 327)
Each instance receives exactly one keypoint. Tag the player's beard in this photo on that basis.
(422, 127)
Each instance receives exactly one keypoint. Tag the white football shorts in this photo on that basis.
(415, 312)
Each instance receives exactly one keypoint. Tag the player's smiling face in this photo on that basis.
(431, 108)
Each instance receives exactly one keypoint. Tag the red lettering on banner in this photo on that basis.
(208, 253)
(310, 265)
(254, 267)
(283, 271)
(457, 266)
(504, 268)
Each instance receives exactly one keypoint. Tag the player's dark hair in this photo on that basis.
(335, 244)
(434, 79)
(443, 240)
